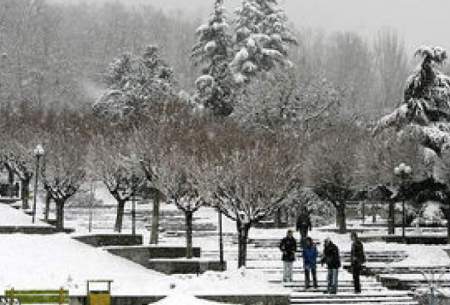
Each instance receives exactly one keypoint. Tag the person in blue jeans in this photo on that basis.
(309, 262)
(288, 247)
(332, 259)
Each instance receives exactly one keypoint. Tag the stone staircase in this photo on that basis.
(264, 257)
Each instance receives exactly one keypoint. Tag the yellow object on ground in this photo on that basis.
(98, 296)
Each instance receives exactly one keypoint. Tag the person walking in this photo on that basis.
(358, 258)
(309, 262)
(288, 247)
(332, 259)
(303, 224)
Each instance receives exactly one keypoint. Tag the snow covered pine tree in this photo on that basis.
(425, 111)
(214, 49)
(262, 39)
(136, 83)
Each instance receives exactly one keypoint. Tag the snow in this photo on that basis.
(210, 46)
(420, 255)
(52, 261)
(241, 281)
(13, 217)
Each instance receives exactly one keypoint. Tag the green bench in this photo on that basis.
(59, 296)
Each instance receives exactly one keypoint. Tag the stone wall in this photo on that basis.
(142, 254)
(280, 299)
(185, 266)
(101, 240)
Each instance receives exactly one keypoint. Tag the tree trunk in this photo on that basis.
(277, 218)
(374, 213)
(391, 219)
(242, 240)
(25, 193)
(188, 216)
(48, 199)
(155, 220)
(341, 219)
(119, 216)
(60, 215)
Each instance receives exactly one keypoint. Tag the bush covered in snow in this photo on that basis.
(431, 214)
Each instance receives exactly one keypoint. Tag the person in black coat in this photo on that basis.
(288, 247)
(357, 259)
(303, 225)
(332, 259)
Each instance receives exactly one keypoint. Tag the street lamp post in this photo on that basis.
(38, 153)
(91, 206)
(220, 241)
(133, 206)
(403, 171)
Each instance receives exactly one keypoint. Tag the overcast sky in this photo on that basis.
(418, 21)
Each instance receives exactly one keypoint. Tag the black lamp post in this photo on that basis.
(403, 171)
(134, 181)
(220, 241)
(133, 205)
(91, 206)
(38, 153)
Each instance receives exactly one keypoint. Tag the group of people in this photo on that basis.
(330, 257)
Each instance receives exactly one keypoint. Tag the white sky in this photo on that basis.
(419, 21)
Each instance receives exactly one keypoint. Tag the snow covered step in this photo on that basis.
(412, 302)
(386, 294)
(301, 283)
(341, 290)
(347, 300)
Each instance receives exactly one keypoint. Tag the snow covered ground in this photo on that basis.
(33, 261)
(53, 261)
(12, 217)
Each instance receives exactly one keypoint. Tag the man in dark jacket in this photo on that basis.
(288, 246)
(332, 259)
(303, 224)
(309, 262)
(357, 260)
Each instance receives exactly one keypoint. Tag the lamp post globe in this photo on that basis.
(38, 151)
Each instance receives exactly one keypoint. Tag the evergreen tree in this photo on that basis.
(425, 115)
(213, 50)
(425, 109)
(262, 39)
(135, 84)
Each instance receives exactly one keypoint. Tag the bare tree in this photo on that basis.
(250, 179)
(63, 169)
(181, 186)
(331, 165)
(17, 155)
(391, 65)
(112, 162)
(150, 145)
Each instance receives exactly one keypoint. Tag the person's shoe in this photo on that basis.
(358, 291)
